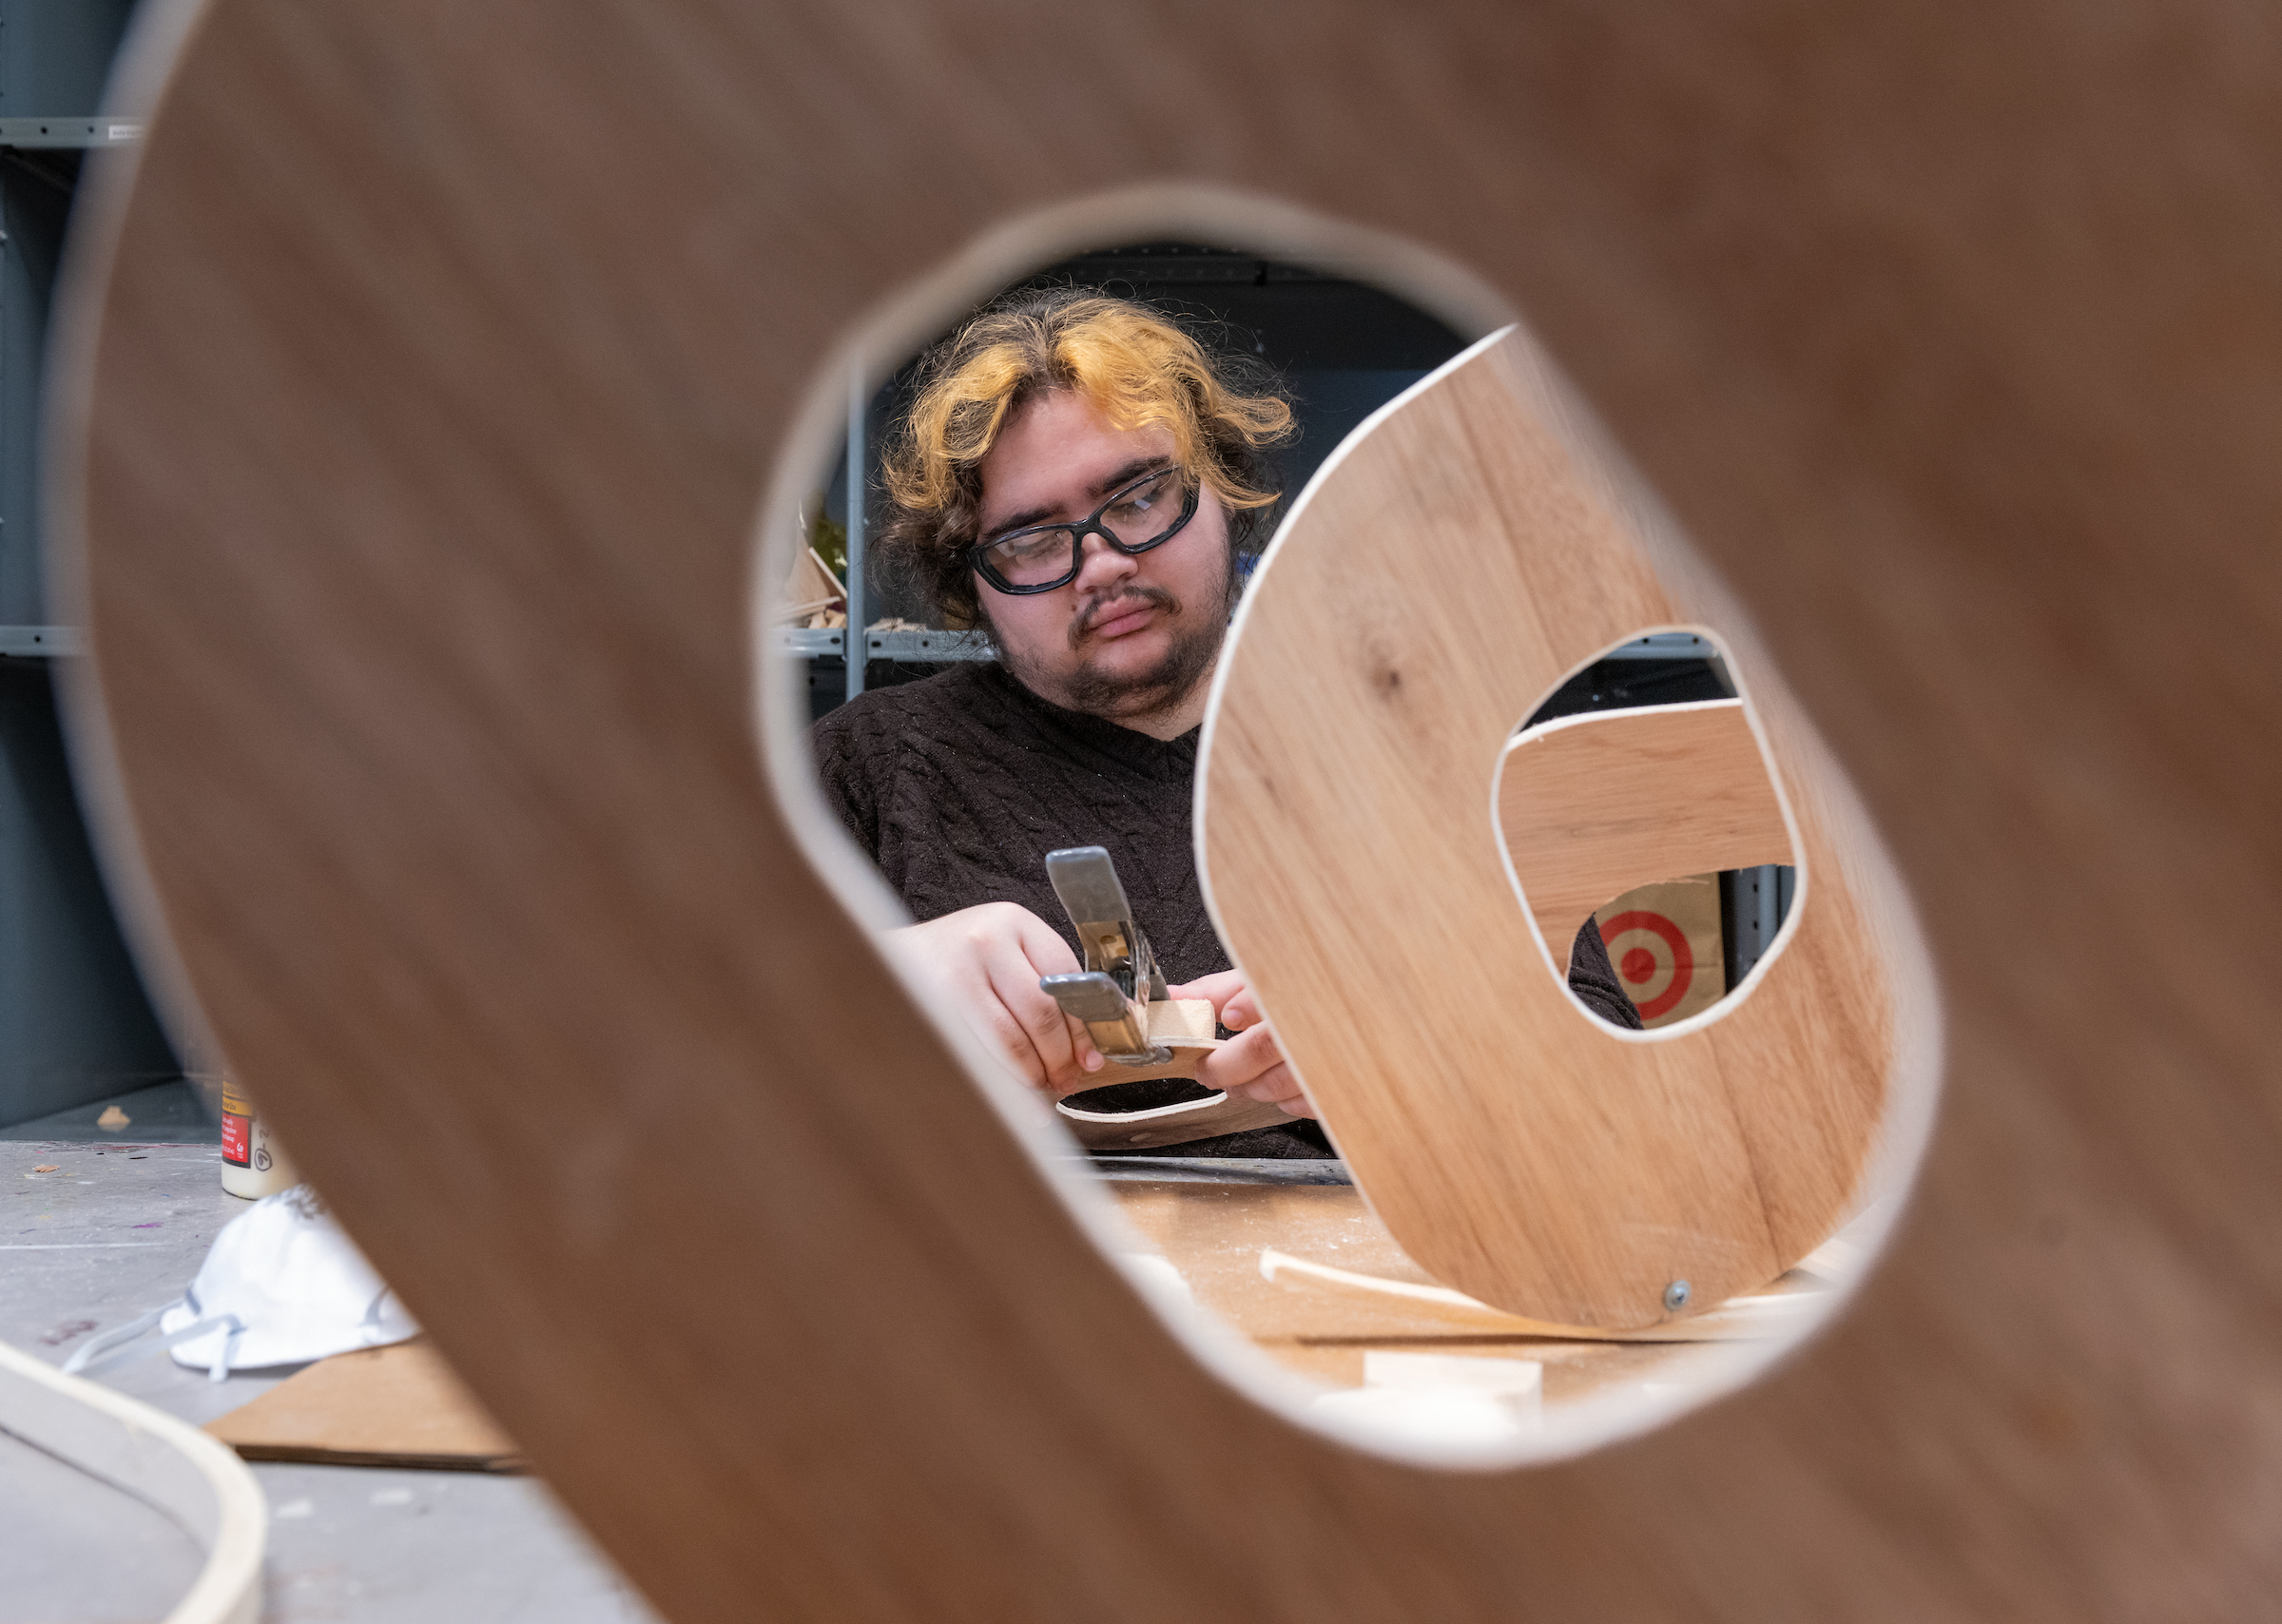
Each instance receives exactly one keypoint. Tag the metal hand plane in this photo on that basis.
(1121, 979)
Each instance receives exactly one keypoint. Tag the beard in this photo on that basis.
(1121, 696)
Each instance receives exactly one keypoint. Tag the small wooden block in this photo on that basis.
(1183, 1025)
(1183, 1021)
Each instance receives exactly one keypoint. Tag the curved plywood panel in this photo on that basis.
(1590, 806)
(1186, 1028)
(157, 1458)
(418, 398)
(1520, 1151)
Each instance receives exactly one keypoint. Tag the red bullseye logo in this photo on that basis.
(1640, 964)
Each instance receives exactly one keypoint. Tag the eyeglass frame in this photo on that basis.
(1081, 528)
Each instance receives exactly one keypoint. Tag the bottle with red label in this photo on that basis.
(253, 1164)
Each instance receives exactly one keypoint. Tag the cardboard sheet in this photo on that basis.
(399, 1405)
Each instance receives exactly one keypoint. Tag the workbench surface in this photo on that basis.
(1211, 1220)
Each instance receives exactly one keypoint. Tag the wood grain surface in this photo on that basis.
(1591, 807)
(419, 398)
(1521, 1151)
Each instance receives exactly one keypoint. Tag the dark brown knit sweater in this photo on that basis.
(959, 785)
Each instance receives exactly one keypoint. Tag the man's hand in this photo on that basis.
(1249, 1064)
(986, 961)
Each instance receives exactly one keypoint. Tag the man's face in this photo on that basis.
(1129, 637)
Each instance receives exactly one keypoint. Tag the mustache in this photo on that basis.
(1082, 626)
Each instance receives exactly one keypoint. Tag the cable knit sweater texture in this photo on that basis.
(958, 785)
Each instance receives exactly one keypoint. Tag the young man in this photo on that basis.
(1077, 476)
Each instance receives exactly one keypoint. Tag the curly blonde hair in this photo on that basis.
(1134, 364)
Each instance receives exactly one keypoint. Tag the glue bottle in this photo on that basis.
(253, 1164)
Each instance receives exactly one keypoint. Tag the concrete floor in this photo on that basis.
(119, 1228)
(116, 1227)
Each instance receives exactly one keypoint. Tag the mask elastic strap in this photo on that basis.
(101, 1349)
(104, 1341)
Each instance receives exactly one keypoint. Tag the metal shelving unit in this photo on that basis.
(928, 648)
(40, 641)
(904, 648)
(75, 1025)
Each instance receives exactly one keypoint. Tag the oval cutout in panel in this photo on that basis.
(1311, 1252)
(1599, 805)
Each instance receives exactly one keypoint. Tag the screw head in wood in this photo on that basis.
(1676, 1296)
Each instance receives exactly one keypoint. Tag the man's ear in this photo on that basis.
(1238, 574)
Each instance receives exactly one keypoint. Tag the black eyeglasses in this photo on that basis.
(1138, 517)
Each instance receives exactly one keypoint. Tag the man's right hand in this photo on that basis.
(986, 962)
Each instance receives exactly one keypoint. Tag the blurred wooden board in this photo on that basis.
(399, 1405)
(810, 588)
(1527, 1154)
(418, 403)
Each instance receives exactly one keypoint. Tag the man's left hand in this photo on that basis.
(1249, 1064)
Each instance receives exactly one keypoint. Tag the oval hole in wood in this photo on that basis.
(1311, 1275)
(1638, 794)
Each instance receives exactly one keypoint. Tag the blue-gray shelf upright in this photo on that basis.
(75, 1025)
